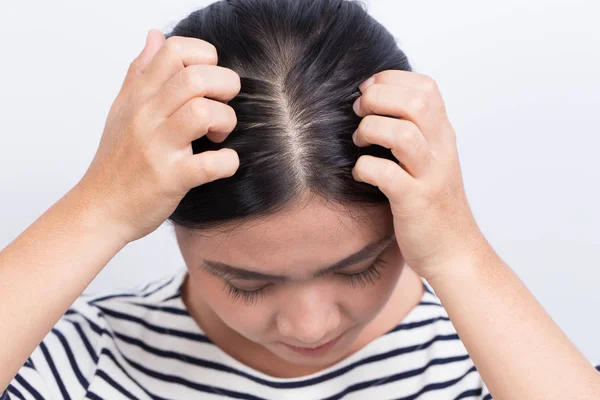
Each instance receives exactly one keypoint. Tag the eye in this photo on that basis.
(249, 297)
(362, 278)
(366, 276)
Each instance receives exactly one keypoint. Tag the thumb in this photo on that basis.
(154, 41)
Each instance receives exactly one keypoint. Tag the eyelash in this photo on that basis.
(362, 278)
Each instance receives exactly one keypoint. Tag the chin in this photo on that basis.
(319, 358)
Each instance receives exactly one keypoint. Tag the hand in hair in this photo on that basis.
(145, 164)
(404, 111)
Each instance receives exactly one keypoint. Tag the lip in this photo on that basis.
(314, 350)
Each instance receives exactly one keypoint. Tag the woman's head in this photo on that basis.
(293, 207)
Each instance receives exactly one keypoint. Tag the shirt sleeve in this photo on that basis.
(64, 362)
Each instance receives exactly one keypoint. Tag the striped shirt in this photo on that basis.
(143, 344)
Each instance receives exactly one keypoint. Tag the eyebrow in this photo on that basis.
(239, 272)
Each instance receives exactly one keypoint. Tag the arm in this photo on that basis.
(517, 348)
(126, 193)
(45, 269)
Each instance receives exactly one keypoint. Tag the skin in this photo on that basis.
(303, 311)
(517, 348)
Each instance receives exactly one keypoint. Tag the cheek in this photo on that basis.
(250, 320)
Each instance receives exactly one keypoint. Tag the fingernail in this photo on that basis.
(366, 83)
(354, 136)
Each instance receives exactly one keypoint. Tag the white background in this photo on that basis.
(520, 81)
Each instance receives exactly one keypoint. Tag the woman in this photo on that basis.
(319, 264)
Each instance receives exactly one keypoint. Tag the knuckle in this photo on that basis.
(388, 174)
(211, 51)
(417, 104)
(193, 79)
(413, 137)
(429, 84)
(364, 128)
(172, 45)
(209, 166)
(369, 97)
(199, 109)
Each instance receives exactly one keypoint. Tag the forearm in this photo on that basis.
(517, 348)
(45, 269)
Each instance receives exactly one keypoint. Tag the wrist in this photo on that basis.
(461, 261)
(94, 213)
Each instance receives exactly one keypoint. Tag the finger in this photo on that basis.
(197, 80)
(401, 136)
(176, 53)
(388, 176)
(209, 166)
(196, 118)
(154, 41)
(411, 79)
(401, 102)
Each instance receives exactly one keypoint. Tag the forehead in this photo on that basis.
(307, 236)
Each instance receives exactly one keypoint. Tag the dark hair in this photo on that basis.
(300, 64)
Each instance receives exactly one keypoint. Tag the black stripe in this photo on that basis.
(86, 342)
(92, 395)
(71, 358)
(417, 324)
(441, 385)
(36, 395)
(14, 391)
(383, 356)
(112, 296)
(99, 331)
(400, 376)
(160, 329)
(140, 293)
(469, 393)
(146, 286)
(101, 374)
(29, 363)
(487, 397)
(192, 385)
(158, 288)
(427, 289)
(430, 303)
(281, 385)
(166, 309)
(176, 295)
(288, 385)
(59, 381)
(114, 360)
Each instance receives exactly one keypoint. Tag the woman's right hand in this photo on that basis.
(144, 164)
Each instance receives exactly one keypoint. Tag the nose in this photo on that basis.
(307, 317)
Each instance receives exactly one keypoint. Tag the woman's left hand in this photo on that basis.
(432, 218)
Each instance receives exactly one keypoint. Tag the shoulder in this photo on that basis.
(66, 360)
